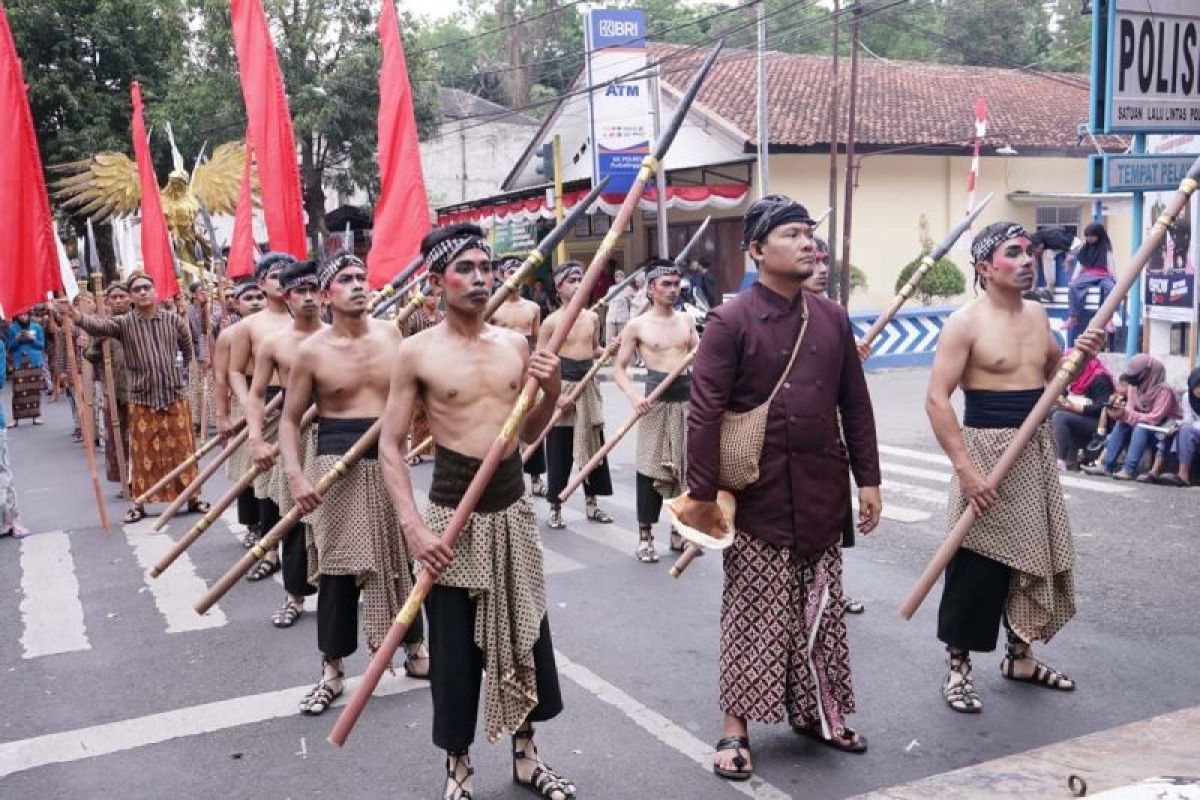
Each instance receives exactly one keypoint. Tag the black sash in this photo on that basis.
(271, 393)
(336, 435)
(680, 390)
(995, 408)
(452, 474)
(574, 369)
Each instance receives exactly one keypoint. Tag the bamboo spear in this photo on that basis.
(395, 283)
(906, 291)
(382, 658)
(1066, 373)
(110, 390)
(83, 413)
(625, 428)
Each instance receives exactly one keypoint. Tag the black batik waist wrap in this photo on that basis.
(271, 393)
(336, 435)
(994, 408)
(680, 390)
(453, 472)
(573, 369)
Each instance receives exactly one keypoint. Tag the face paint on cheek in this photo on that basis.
(455, 280)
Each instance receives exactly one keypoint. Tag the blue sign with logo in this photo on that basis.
(1138, 172)
(610, 27)
(619, 103)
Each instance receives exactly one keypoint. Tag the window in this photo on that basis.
(1058, 217)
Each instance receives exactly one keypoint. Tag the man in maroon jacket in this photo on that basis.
(784, 649)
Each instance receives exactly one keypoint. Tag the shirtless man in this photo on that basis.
(664, 337)
(579, 432)
(275, 357)
(247, 340)
(1016, 563)
(249, 299)
(525, 317)
(469, 374)
(346, 369)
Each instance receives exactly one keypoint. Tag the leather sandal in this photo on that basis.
(742, 771)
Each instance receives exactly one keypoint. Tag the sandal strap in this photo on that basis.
(734, 743)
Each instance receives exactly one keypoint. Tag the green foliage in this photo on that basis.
(944, 281)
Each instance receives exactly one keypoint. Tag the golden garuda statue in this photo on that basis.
(106, 186)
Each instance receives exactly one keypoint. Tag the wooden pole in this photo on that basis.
(110, 390)
(1066, 373)
(83, 411)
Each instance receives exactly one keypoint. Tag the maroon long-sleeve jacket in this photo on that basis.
(801, 498)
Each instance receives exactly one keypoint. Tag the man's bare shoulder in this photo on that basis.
(315, 344)
(385, 330)
(1036, 310)
(529, 305)
(508, 337)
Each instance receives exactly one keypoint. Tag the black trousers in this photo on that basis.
(456, 669)
(536, 465)
(649, 501)
(1071, 432)
(247, 507)
(337, 617)
(560, 456)
(294, 562)
(973, 601)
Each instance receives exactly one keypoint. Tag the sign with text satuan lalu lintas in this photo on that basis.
(1146, 66)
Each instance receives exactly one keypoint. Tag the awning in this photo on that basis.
(679, 198)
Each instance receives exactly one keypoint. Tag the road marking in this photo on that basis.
(51, 612)
(1065, 480)
(555, 563)
(115, 737)
(658, 726)
(913, 491)
(177, 589)
(897, 513)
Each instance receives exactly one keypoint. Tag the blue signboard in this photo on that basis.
(1149, 172)
(619, 105)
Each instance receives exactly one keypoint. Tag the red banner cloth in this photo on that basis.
(158, 259)
(270, 129)
(28, 252)
(241, 247)
(402, 212)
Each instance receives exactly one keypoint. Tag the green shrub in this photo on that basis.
(944, 281)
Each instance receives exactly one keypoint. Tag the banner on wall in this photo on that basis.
(619, 108)
(1170, 292)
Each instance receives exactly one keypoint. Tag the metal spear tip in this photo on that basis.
(685, 102)
(821, 219)
(568, 224)
(958, 230)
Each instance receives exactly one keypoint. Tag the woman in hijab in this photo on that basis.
(1094, 268)
(1077, 415)
(1151, 402)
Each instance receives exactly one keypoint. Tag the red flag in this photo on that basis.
(157, 257)
(270, 129)
(28, 251)
(241, 248)
(402, 213)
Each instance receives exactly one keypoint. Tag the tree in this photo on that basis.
(944, 280)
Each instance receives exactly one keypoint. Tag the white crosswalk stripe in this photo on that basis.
(177, 589)
(1067, 481)
(51, 612)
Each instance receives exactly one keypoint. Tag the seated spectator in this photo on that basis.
(1094, 268)
(1077, 415)
(1151, 402)
(1183, 444)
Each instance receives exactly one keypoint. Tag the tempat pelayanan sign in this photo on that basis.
(1138, 172)
(619, 106)
(1146, 66)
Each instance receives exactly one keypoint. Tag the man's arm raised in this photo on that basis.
(256, 407)
(295, 402)
(424, 545)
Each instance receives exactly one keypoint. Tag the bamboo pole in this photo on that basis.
(110, 389)
(83, 412)
(382, 658)
(394, 284)
(625, 428)
(1066, 373)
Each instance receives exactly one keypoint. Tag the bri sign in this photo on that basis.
(619, 107)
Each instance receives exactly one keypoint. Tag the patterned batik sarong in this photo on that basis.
(587, 419)
(158, 442)
(784, 649)
(27, 393)
(265, 482)
(498, 559)
(662, 436)
(111, 464)
(8, 493)
(238, 463)
(200, 388)
(1027, 529)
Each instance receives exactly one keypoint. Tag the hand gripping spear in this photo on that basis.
(906, 291)
(387, 648)
(365, 442)
(395, 283)
(625, 428)
(578, 388)
(1067, 371)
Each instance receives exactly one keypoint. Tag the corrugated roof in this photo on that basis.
(457, 104)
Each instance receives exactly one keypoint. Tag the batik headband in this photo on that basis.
(662, 271)
(335, 265)
(566, 271)
(242, 287)
(991, 237)
(445, 251)
(271, 261)
(767, 214)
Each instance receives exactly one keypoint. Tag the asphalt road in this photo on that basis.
(147, 700)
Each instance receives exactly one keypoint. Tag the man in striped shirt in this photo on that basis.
(160, 417)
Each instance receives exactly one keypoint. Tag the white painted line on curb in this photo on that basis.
(176, 590)
(660, 727)
(51, 613)
(115, 737)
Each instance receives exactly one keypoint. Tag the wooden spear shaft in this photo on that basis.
(1066, 373)
(625, 428)
(571, 397)
(110, 390)
(83, 412)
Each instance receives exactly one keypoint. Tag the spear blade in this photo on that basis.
(681, 257)
(958, 230)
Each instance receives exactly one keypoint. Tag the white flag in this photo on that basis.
(64, 268)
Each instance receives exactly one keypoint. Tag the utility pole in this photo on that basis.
(833, 151)
(851, 168)
(764, 123)
(560, 253)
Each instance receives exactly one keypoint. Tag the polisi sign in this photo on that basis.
(1146, 66)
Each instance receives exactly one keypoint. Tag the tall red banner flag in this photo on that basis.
(28, 252)
(157, 258)
(241, 249)
(271, 131)
(402, 213)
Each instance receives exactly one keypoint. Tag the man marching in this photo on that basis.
(579, 432)
(423, 318)
(664, 337)
(276, 357)
(346, 368)
(525, 317)
(116, 297)
(784, 651)
(487, 609)
(200, 389)
(1016, 563)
